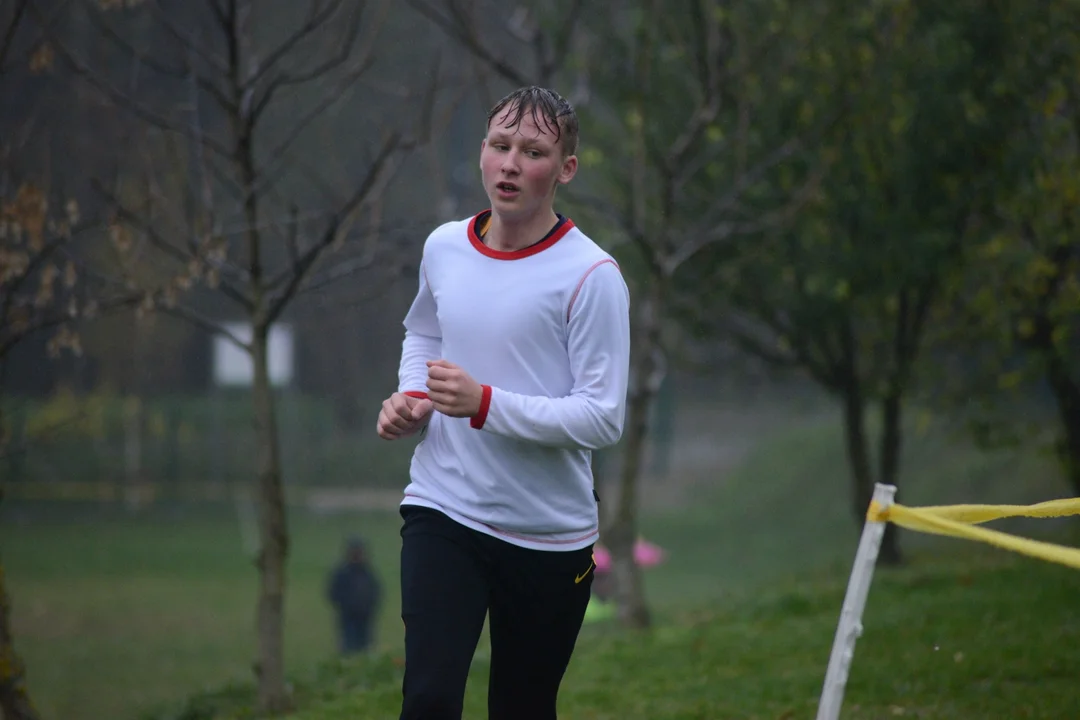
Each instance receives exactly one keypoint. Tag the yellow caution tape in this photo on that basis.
(958, 521)
(984, 513)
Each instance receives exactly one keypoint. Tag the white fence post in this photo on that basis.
(850, 627)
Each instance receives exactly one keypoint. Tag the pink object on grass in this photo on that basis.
(646, 554)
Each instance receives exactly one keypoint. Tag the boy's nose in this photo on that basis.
(510, 164)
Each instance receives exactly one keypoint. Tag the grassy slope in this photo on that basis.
(963, 632)
(979, 636)
(118, 616)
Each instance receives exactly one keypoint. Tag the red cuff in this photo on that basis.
(478, 420)
(416, 394)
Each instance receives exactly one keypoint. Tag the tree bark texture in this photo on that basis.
(273, 536)
(15, 701)
(646, 374)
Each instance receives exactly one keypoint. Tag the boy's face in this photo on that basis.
(521, 165)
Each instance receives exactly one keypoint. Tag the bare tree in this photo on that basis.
(41, 292)
(29, 303)
(225, 210)
(672, 163)
(37, 286)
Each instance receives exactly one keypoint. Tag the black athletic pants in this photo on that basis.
(451, 577)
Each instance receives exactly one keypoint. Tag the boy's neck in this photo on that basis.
(508, 235)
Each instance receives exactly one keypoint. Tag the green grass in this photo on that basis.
(155, 610)
(974, 635)
(117, 616)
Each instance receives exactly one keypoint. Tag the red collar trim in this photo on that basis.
(516, 254)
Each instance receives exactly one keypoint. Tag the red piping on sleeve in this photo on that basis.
(581, 282)
(416, 394)
(480, 418)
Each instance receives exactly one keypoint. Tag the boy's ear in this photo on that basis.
(568, 169)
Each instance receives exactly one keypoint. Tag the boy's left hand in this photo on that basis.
(452, 391)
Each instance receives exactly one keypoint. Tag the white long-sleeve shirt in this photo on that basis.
(546, 331)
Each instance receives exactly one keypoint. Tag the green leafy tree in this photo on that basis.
(1017, 303)
(845, 292)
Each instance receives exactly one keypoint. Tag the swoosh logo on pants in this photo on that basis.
(579, 578)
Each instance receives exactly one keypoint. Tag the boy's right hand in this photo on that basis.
(402, 415)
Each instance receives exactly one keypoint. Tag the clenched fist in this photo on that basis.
(402, 415)
(452, 391)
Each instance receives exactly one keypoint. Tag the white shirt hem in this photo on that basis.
(555, 542)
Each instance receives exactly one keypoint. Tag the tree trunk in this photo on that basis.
(273, 536)
(1067, 395)
(891, 444)
(14, 698)
(646, 374)
(862, 474)
(15, 701)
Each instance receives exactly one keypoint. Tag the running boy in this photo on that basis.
(514, 365)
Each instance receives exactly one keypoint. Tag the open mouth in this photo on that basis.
(506, 188)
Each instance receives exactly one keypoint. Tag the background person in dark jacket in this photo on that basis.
(355, 593)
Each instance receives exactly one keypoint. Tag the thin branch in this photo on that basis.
(167, 248)
(201, 321)
(607, 208)
(291, 242)
(753, 346)
(672, 162)
(650, 250)
(346, 269)
(11, 288)
(336, 59)
(709, 106)
(368, 293)
(189, 41)
(137, 108)
(49, 320)
(268, 176)
(275, 56)
(221, 14)
(382, 166)
(427, 120)
(459, 28)
(390, 265)
(9, 34)
(204, 163)
(695, 242)
(780, 154)
(159, 302)
(46, 24)
(39, 325)
(155, 64)
(563, 37)
(639, 170)
(316, 180)
(824, 370)
(57, 243)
